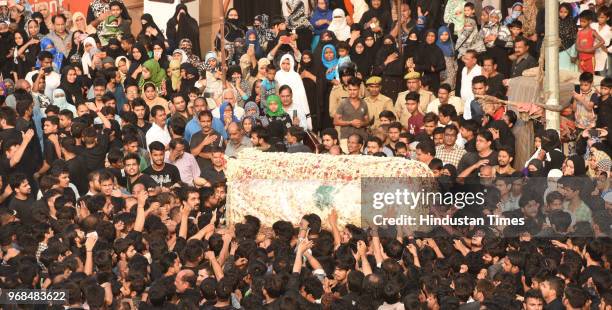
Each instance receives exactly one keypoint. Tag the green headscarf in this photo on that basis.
(280, 111)
(158, 75)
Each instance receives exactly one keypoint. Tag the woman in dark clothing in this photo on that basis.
(382, 15)
(44, 30)
(138, 57)
(363, 57)
(76, 49)
(182, 26)
(429, 60)
(150, 32)
(26, 51)
(248, 9)
(311, 79)
(159, 54)
(390, 66)
(72, 86)
(191, 77)
(233, 27)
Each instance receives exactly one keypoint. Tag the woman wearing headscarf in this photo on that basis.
(390, 66)
(122, 63)
(89, 47)
(382, 18)
(329, 58)
(192, 58)
(312, 81)
(173, 83)
(253, 42)
(288, 76)
(183, 26)
(72, 86)
(59, 100)
(138, 56)
(40, 20)
(152, 73)
(498, 41)
(567, 34)
(227, 116)
(320, 20)
(453, 14)
(363, 57)
(149, 32)
(469, 39)
(213, 74)
(252, 111)
(275, 112)
(79, 23)
(298, 21)
(574, 165)
(189, 78)
(159, 54)
(58, 57)
(25, 52)
(360, 7)
(429, 60)
(234, 29)
(596, 158)
(339, 26)
(445, 43)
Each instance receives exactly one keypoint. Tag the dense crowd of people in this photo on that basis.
(114, 146)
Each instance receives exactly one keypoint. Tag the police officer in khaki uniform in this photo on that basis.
(376, 101)
(413, 79)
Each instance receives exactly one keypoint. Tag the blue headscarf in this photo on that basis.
(446, 47)
(330, 64)
(258, 50)
(319, 14)
(219, 123)
(58, 57)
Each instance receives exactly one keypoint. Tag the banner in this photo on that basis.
(281, 186)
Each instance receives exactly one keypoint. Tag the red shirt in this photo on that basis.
(415, 123)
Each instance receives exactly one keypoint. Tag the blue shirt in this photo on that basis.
(191, 128)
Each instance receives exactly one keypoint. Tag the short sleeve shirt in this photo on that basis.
(350, 113)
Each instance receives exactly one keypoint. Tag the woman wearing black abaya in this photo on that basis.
(382, 15)
(363, 57)
(310, 79)
(138, 57)
(327, 37)
(72, 86)
(390, 66)
(183, 26)
(25, 53)
(429, 60)
(150, 32)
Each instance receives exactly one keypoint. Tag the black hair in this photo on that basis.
(156, 146)
(427, 147)
(45, 55)
(330, 132)
(481, 79)
(130, 156)
(413, 96)
(586, 77)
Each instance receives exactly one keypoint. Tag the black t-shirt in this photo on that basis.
(94, 157)
(32, 158)
(49, 153)
(212, 175)
(23, 207)
(143, 179)
(77, 170)
(603, 108)
(168, 176)
(196, 139)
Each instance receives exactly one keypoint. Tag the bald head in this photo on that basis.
(23, 84)
(235, 132)
(185, 279)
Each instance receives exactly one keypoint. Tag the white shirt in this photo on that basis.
(238, 112)
(466, 89)
(304, 123)
(156, 133)
(601, 56)
(52, 81)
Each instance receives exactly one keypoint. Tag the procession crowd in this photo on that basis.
(114, 146)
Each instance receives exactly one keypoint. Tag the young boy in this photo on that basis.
(268, 85)
(587, 42)
(468, 11)
(605, 32)
(603, 108)
(415, 122)
(583, 102)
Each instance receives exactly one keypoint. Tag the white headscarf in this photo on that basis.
(359, 8)
(184, 57)
(293, 80)
(87, 56)
(339, 26)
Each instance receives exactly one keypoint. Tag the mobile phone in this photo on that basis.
(577, 88)
(48, 69)
(594, 133)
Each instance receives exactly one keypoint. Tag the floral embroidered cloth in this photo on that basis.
(281, 186)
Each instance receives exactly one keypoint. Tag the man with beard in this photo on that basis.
(166, 175)
(505, 156)
(329, 139)
(193, 125)
(203, 140)
(180, 107)
(22, 199)
(188, 167)
(413, 82)
(131, 163)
